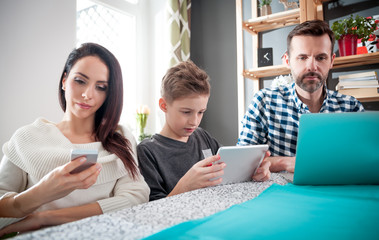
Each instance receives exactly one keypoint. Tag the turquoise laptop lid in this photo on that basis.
(338, 148)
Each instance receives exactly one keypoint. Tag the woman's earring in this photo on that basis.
(63, 88)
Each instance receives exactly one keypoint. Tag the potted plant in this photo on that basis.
(265, 7)
(347, 31)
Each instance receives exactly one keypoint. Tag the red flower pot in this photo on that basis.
(347, 45)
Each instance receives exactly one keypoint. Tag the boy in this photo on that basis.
(171, 161)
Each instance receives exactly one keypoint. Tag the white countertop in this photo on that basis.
(145, 219)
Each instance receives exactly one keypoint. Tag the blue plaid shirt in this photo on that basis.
(273, 117)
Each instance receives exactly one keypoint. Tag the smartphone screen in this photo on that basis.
(91, 156)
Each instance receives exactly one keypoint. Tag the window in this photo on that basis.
(115, 30)
(135, 32)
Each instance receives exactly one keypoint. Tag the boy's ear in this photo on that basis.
(163, 104)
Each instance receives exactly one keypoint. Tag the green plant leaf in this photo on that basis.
(358, 25)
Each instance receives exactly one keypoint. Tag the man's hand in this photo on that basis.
(282, 164)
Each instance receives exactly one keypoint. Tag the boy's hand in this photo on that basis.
(204, 173)
(263, 172)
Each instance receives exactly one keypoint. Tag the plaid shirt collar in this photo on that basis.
(303, 108)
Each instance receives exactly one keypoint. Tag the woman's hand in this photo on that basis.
(204, 173)
(55, 185)
(60, 182)
(30, 223)
(39, 220)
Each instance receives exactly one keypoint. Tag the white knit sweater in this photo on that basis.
(38, 148)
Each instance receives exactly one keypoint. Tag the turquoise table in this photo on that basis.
(291, 212)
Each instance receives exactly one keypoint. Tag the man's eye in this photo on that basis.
(321, 58)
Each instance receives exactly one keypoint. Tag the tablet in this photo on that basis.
(241, 162)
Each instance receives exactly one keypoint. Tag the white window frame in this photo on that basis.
(152, 59)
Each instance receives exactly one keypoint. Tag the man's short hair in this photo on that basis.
(184, 79)
(311, 28)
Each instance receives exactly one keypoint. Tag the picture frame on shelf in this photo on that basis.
(265, 57)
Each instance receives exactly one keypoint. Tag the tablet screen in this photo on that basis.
(241, 162)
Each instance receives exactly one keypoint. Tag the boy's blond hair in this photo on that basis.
(184, 79)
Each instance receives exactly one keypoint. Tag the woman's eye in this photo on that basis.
(102, 88)
(80, 81)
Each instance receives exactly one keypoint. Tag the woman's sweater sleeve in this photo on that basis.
(12, 178)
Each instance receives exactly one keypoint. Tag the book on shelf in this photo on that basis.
(362, 76)
(354, 83)
(358, 80)
(341, 86)
(361, 92)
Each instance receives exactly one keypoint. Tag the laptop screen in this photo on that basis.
(338, 148)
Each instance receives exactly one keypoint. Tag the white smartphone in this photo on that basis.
(91, 156)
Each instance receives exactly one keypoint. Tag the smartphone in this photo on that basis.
(91, 156)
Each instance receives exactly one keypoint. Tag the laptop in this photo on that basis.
(338, 148)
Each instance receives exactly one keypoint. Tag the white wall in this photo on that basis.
(35, 40)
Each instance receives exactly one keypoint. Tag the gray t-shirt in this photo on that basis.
(163, 161)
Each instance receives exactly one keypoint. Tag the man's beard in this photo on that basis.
(311, 88)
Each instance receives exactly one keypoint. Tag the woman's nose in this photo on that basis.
(87, 94)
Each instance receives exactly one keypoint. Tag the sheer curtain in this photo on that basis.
(172, 45)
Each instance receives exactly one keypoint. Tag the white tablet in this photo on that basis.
(241, 162)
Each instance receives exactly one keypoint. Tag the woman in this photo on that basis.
(35, 179)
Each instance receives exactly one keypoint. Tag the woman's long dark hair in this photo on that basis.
(108, 115)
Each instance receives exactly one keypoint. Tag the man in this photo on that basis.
(273, 115)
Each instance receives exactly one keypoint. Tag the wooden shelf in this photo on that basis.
(339, 62)
(268, 71)
(369, 99)
(308, 10)
(356, 60)
(280, 19)
(272, 21)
